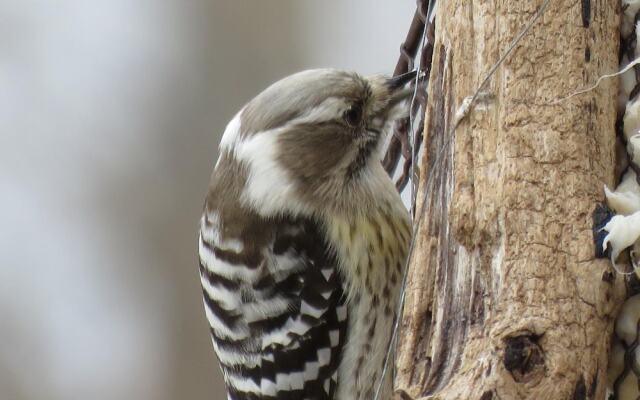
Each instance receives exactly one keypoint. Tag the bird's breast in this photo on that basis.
(371, 251)
(371, 248)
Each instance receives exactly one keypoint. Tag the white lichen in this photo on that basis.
(631, 119)
(616, 361)
(624, 231)
(627, 321)
(626, 331)
(627, 83)
(633, 147)
(625, 199)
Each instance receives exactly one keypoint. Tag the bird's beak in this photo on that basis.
(398, 89)
(399, 81)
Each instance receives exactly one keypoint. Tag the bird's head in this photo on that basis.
(315, 140)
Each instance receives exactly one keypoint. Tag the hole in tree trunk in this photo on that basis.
(580, 392)
(488, 395)
(523, 357)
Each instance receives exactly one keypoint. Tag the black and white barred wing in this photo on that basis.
(274, 303)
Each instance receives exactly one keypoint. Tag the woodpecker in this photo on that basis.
(303, 239)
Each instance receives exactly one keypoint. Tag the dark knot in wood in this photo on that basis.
(400, 394)
(580, 391)
(523, 357)
(488, 395)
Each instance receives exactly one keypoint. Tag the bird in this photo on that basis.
(304, 237)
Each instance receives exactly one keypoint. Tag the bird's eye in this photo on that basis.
(353, 115)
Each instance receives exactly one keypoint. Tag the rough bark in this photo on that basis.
(505, 299)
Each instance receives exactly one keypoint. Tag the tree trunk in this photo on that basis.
(505, 299)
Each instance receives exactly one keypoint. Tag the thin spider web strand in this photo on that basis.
(501, 60)
(412, 131)
(392, 342)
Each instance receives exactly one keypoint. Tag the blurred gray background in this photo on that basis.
(110, 114)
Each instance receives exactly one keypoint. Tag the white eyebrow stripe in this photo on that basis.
(330, 109)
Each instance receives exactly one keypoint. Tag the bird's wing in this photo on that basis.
(275, 306)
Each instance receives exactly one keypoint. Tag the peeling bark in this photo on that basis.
(505, 299)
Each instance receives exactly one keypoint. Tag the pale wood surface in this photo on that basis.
(505, 299)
